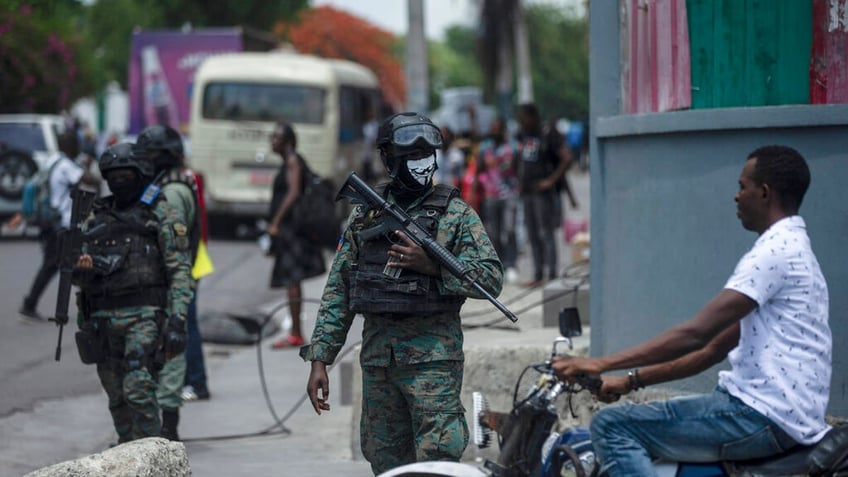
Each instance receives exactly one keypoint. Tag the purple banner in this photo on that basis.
(162, 67)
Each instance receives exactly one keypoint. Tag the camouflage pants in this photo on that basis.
(412, 413)
(132, 335)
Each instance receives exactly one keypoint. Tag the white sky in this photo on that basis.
(439, 14)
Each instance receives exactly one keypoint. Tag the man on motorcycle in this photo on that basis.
(770, 321)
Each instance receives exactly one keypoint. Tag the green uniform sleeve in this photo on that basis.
(180, 197)
(174, 245)
(462, 232)
(334, 317)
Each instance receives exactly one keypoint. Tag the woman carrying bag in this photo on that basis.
(295, 259)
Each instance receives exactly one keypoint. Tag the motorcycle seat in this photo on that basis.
(830, 453)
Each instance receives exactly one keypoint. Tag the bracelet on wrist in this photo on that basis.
(639, 383)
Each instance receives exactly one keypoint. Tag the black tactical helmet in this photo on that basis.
(407, 135)
(155, 140)
(120, 156)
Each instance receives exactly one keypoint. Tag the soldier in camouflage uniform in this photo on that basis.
(135, 287)
(163, 146)
(411, 357)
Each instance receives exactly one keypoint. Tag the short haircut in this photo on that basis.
(68, 143)
(785, 171)
(288, 132)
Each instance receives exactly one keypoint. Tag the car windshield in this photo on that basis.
(26, 136)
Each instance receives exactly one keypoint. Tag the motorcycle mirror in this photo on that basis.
(557, 341)
(569, 322)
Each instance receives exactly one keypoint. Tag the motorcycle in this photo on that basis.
(530, 445)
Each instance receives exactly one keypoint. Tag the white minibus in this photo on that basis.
(238, 97)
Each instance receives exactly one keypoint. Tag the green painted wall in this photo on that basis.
(750, 52)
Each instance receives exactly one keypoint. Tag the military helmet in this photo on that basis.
(408, 133)
(120, 156)
(159, 138)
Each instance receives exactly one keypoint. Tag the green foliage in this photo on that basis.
(42, 69)
(55, 51)
(258, 14)
(453, 63)
(559, 58)
(109, 25)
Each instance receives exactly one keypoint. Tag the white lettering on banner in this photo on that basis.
(192, 60)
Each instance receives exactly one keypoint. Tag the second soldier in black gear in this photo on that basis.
(185, 375)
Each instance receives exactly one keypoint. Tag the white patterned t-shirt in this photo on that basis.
(782, 364)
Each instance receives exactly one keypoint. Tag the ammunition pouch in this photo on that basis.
(91, 345)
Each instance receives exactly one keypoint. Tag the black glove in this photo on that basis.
(175, 336)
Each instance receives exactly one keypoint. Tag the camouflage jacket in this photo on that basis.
(415, 339)
(173, 240)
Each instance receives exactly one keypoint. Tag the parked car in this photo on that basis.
(26, 143)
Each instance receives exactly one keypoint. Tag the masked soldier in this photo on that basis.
(185, 375)
(135, 288)
(412, 360)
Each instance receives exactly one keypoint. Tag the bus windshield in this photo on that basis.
(239, 101)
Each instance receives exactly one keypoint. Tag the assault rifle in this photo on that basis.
(394, 218)
(69, 248)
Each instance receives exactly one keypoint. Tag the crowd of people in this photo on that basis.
(514, 180)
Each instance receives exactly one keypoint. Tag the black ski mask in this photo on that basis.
(126, 186)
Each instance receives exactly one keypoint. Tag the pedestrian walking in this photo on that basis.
(540, 169)
(64, 175)
(295, 258)
(411, 356)
(498, 176)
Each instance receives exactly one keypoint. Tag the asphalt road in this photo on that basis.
(53, 411)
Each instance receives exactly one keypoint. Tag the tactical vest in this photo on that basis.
(128, 266)
(185, 176)
(411, 293)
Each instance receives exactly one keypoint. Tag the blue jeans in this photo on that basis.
(195, 366)
(703, 428)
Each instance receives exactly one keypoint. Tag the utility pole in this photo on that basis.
(504, 76)
(522, 55)
(417, 76)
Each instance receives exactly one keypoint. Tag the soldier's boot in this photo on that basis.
(170, 421)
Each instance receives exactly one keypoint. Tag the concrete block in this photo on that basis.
(151, 457)
(560, 294)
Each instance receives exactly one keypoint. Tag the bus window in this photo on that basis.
(354, 105)
(263, 102)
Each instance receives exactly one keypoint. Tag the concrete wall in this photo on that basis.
(665, 236)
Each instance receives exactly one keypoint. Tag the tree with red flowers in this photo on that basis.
(331, 33)
(40, 67)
